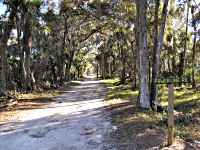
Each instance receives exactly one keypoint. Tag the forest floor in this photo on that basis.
(72, 121)
(140, 129)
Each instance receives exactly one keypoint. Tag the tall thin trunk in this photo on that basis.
(137, 40)
(173, 57)
(158, 41)
(134, 66)
(78, 72)
(3, 66)
(63, 66)
(53, 70)
(182, 61)
(168, 62)
(186, 36)
(155, 68)
(193, 49)
(123, 59)
(69, 64)
(103, 64)
(97, 71)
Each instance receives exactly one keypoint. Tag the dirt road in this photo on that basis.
(75, 121)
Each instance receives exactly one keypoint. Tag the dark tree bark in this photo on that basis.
(27, 43)
(173, 58)
(158, 41)
(137, 40)
(63, 65)
(103, 61)
(78, 72)
(182, 60)
(97, 72)
(69, 64)
(53, 70)
(193, 48)
(123, 59)
(22, 62)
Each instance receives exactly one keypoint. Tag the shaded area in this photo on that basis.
(141, 129)
(134, 132)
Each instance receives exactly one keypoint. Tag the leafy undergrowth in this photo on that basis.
(143, 129)
(35, 100)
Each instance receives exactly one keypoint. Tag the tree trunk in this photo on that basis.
(103, 64)
(134, 67)
(173, 58)
(78, 71)
(123, 59)
(68, 76)
(97, 71)
(3, 67)
(144, 65)
(53, 70)
(155, 69)
(158, 41)
(137, 40)
(22, 65)
(27, 43)
(69, 64)
(63, 65)
(182, 60)
(193, 49)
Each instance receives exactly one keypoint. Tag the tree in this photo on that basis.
(182, 61)
(194, 45)
(158, 41)
(144, 65)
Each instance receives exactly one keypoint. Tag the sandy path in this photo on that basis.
(78, 123)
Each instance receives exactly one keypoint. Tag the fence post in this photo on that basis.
(170, 114)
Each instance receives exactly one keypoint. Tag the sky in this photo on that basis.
(2, 8)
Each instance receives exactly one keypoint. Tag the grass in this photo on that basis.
(143, 129)
(187, 106)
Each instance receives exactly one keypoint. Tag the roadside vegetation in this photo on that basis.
(143, 129)
(34, 100)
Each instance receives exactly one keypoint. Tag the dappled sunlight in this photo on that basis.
(137, 125)
(67, 118)
(61, 108)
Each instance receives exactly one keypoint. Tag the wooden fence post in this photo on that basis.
(170, 114)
